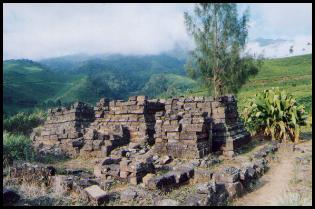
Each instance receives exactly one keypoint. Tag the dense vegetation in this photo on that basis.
(67, 79)
(29, 84)
(16, 147)
(275, 113)
(23, 123)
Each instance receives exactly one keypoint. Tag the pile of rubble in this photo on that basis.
(223, 185)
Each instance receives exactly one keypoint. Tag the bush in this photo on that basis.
(275, 113)
(23, 123)
(16, 147)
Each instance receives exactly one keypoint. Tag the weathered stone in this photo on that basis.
(79, 142)
(147, 178)
(110, 160)
(128, 194)
(168, 202)
(165, 160)
(196, 200)
(202, 188)
(234, 189)
(227, 175)
(96, 194)
(10, 197)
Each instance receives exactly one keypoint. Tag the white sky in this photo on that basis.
(36, 31)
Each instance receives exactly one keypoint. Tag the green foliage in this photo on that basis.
(23, 123)
(168, 85)
(220, 37)
(276, 113)
(16, 147)
(283, 73)
(29, 84)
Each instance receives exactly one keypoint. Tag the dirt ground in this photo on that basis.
(280, 186)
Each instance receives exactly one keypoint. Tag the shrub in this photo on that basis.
(275, 113)
(16, 147)
(23, 123)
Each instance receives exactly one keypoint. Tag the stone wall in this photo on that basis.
(64, 128)
(181, 127)
(119, 123)
(228, 131)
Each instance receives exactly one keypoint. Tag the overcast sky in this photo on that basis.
(36, 31)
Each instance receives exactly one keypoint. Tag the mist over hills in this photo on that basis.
(49, 82)
(87, 78)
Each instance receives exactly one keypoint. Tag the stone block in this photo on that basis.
(227, 175)
(128, 194)
(234, 189)
(168, 202)
(171, 128)
(172, 135)
(96, 194)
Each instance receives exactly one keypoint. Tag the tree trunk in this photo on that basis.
(214, 85)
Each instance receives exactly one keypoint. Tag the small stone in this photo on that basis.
(10, 196)
(168, 202)
(128, 194)
(235, 189)
(196, 200)
(147, 178)
(165, 160)
(128, 154)
(96, 194)
(203, 188)
(142, 151)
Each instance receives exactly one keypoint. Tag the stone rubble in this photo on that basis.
(155, 144)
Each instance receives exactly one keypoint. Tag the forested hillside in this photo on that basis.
(86, 78)
(63, 80)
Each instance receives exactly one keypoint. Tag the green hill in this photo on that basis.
(29, 84)
(294, 74)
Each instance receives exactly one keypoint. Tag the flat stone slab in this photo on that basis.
(168, 202)
(96, 194)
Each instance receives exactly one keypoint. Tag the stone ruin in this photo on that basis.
(187, 128)
(63, 129)
(159, 143)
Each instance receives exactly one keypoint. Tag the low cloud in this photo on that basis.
(37, 31)
(281, 48)
(41, 30)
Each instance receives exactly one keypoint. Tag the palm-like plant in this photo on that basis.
(275, 113)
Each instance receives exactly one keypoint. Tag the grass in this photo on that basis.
(27, 84)
(295, 199)
(293, 74)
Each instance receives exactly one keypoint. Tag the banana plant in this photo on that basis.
(276, 114)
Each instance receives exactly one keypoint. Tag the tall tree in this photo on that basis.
(220, 37)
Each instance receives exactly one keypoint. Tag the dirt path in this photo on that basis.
(273, 184)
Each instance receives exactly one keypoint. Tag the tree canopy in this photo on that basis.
(220, 36)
